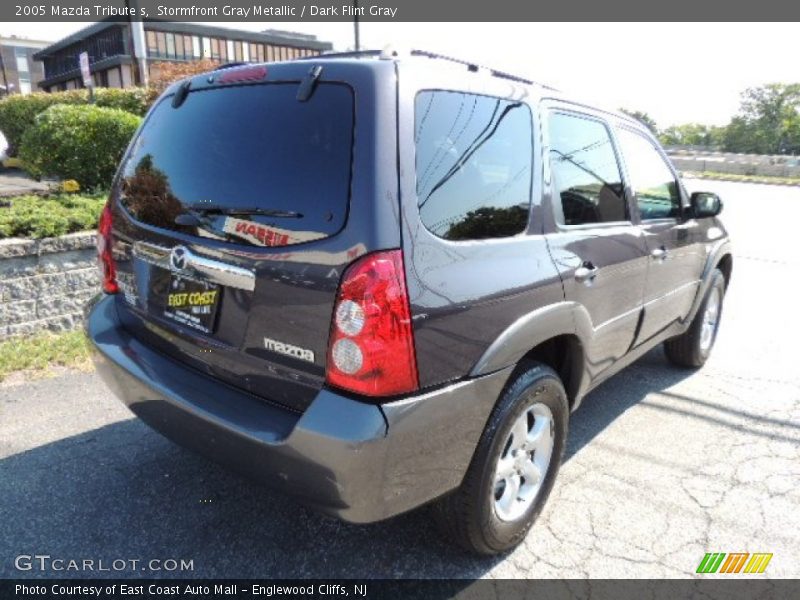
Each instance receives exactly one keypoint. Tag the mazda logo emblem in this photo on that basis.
(177, 258)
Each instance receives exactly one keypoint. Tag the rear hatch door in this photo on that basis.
(235, 219)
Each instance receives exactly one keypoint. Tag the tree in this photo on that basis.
(165, 73)
(489, 222)
(768, 121)
(642, 117)
(693, 134)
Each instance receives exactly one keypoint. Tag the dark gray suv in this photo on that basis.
(375, 282)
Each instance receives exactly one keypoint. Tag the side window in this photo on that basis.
(586, 174)
(651, 179)
(473, 165)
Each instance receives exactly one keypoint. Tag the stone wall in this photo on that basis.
(737, 164)
(45, 283)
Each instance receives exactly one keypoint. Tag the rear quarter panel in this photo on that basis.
(465, 294)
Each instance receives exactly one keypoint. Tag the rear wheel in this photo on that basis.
(693, 347)
(514, 466)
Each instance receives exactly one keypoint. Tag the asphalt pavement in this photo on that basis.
(663, 465)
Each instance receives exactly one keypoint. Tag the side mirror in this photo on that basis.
(705, 204)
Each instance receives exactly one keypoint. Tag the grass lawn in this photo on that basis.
(38, 353)
(36, 217)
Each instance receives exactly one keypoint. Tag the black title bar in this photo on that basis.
(733, 588)
(403, 11)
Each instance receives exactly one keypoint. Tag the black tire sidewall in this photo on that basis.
(538, 384)
(718, 282)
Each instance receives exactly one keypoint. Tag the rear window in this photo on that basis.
(247, 164)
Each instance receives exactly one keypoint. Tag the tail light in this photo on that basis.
(372, 344)
(105, 259)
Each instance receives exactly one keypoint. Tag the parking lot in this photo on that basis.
(663, 465)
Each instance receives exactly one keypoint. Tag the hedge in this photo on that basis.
(36, 217)
(18, 112)
(84, 143)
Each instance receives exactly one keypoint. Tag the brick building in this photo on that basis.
(112, 61)
(19, 72)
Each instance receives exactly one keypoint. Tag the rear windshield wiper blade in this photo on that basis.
(245, 210)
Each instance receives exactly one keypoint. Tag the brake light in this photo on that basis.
(239, 75)
(105, 259)
(371, 348)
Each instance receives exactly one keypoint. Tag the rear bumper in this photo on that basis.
(360, 462)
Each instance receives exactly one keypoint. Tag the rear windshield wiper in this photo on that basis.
(245, 210)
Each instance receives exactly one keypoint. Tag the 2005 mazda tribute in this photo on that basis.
(376, 282)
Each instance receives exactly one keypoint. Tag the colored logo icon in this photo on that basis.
(735, 562)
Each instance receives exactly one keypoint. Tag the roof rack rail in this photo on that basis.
(474, 68)
(390, 52)
(230, 65)
(348, 54)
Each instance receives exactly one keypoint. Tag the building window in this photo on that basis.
(206, 50)
(161, 41)
(245, 52)
(152, 46)
(101, 79)
(196, 50)
(237, 46)
(22, 62)
(179, 52)
(170, 45)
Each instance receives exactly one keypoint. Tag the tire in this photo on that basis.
(693, 347)
(473, 516)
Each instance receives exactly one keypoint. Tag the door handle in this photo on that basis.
(586, 273)
(659, 253)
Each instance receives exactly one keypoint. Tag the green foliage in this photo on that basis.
(643, 118)
(84, 143)
(693, 134)
(768, 121)
(767, 179)
(40, 352)
(18, 112)
(135, 100)
(38, 217)
(488, 222)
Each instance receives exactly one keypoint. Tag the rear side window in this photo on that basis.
(473, 161)
(247, 164)
(652, 180)
(586, 174)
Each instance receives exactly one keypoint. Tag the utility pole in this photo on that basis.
(355, 25)
(136, 41)
(3, 68)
